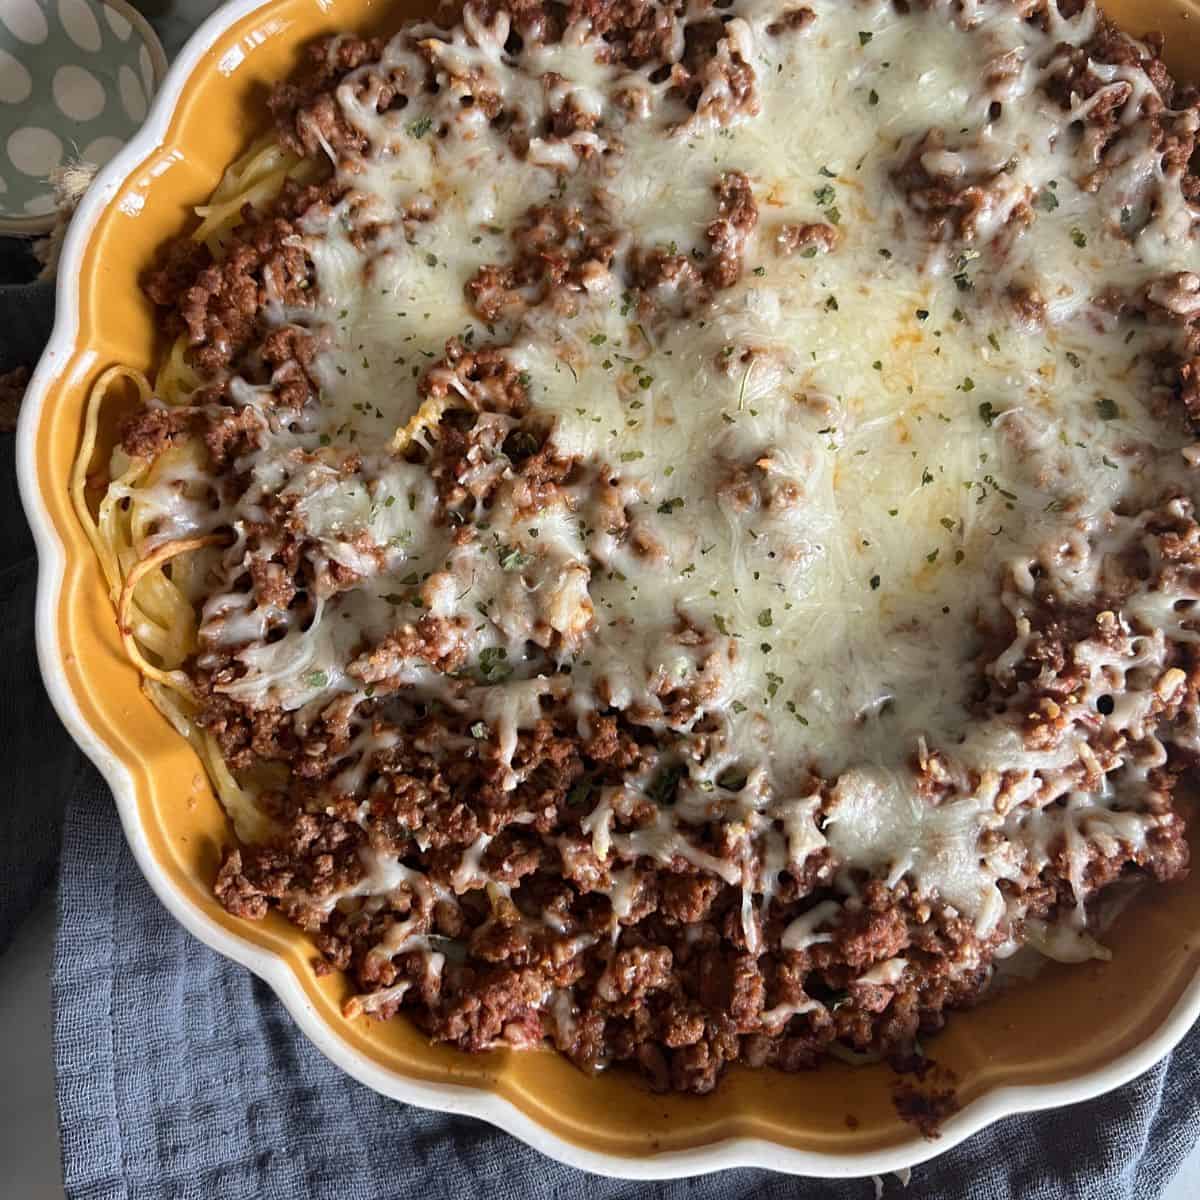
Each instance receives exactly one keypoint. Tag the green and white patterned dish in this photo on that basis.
(76, 77)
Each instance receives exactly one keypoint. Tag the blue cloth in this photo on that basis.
(180, 1076)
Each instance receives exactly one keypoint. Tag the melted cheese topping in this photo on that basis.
(824, 473)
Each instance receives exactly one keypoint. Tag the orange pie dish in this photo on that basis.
(1089, 1017)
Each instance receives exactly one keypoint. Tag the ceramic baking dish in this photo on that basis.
(1068, 1035)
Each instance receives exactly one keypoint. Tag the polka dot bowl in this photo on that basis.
(76, 77)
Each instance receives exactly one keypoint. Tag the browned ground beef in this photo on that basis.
(680, 995)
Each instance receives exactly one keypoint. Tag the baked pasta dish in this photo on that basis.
(671, 526)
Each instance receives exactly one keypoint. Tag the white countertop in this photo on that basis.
(28, 1123)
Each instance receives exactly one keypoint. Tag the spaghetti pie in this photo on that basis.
(671, 526)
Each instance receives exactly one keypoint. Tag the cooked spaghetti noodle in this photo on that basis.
(156, 612)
